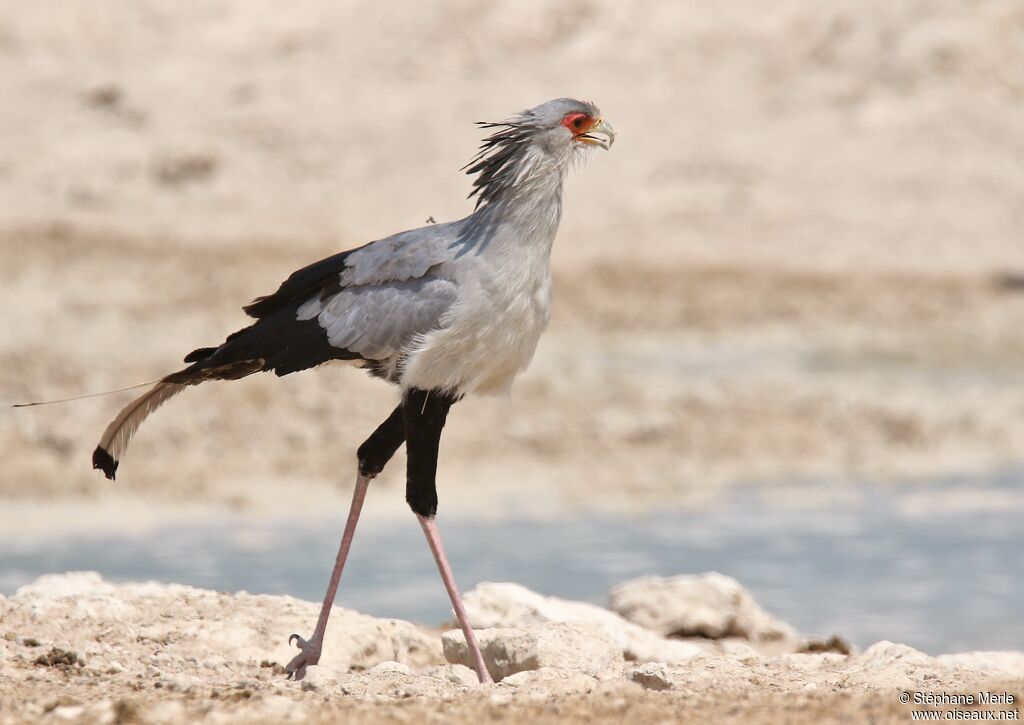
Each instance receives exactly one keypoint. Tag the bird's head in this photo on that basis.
(550, 136)
(566, 124)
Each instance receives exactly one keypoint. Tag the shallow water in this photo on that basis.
(934, 564)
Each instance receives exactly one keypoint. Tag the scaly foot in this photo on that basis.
(309, 654)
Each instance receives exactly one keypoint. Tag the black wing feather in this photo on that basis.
(321, 278)
(278, 340)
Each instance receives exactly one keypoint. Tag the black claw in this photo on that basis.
(294, 636)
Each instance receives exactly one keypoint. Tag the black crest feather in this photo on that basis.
(497, 162)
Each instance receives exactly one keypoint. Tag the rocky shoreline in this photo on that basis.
(76, 648)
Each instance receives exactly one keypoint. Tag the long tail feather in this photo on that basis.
(116, 437)
(83, 397)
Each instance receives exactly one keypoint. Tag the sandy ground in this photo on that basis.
(803, 257)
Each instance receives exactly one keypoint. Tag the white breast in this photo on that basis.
(504, 302)
(491, 332)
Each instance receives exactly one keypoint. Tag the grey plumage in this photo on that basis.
(378, 321)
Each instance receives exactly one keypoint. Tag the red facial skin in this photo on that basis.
(578, 123)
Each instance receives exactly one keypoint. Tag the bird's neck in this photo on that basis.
(529, 213)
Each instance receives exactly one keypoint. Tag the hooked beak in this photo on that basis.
(600, 134)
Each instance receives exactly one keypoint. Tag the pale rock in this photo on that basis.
(651, 676)
(100, 713)
(521, 678)
(71, 584)
(453, 674)
(84, 596)
(887, 666)
(396, 681)
(550, 682)
(711, 670)
(278, 708)
(390, 667)
(405, 687)
(269, 709)
(705, 605)
(234, 629)
(67, 712)
(492, 605)
(995, 664)
(698, 673)
(166, 711)
(885, 654)
(214, 662)
(181, 682)
(571, 646)
(321, 677)
(737, 648)
(616, 690)
(92, 649)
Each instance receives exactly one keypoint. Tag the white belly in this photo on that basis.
(489, 336)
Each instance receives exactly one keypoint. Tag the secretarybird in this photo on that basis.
(441, 311)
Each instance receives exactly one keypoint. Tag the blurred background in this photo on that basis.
(787, 340)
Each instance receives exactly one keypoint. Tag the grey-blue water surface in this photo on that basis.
(878, 562)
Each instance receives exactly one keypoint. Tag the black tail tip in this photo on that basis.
(105, 462)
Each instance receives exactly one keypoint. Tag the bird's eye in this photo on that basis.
(576, 121)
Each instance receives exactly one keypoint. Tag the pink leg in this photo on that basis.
(437, 549)
(310, 649)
